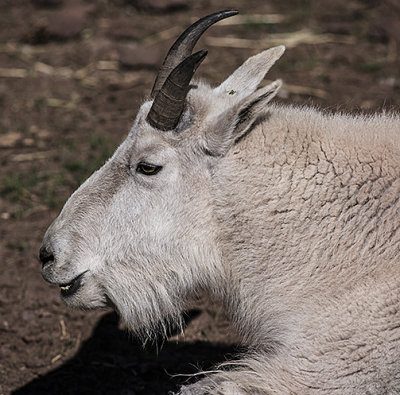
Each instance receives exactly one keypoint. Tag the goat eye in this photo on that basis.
(148, 169)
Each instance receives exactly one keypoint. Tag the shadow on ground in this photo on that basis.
(110, 362)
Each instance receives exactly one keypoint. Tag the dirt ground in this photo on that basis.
(72, 76)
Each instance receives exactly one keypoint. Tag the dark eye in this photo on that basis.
(148, 169)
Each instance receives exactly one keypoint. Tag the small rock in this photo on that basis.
(36, 35)
(40, 133)
(27, 315)
(385, 30)
(70, 20)
(136, 56)
(66, 24)
(388, 81)
(161, 5)
(5, 216)
(9, 140)
(47, 3)
(28, 142)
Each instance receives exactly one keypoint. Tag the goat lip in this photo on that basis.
(72, 287)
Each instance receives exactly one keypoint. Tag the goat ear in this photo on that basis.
(245, 80)
(237, 121)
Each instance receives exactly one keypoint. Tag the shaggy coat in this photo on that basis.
(288, 216)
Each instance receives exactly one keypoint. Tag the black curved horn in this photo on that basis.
(169, 103)
(183, 46)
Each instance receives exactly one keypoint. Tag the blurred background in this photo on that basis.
(72, 76)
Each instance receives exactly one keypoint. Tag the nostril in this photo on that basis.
(45, 255)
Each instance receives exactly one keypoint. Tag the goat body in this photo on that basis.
(288, 216)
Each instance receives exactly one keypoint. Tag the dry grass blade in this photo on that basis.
(290, 40)
(31, 156)
(56, 358)
(251, 19)
(13, 73)
(43, 68)
(306, 90)
(87, 76)
(54, 102)
(107, 65)
(64, 333)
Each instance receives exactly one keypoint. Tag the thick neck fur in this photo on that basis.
(316, 195)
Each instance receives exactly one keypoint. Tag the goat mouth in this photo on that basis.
(69, 289)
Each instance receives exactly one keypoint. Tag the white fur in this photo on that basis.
(288, 216)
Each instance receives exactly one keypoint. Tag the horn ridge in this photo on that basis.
(169, 103)
(183, 46)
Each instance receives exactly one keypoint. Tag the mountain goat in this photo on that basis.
(287, 216)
